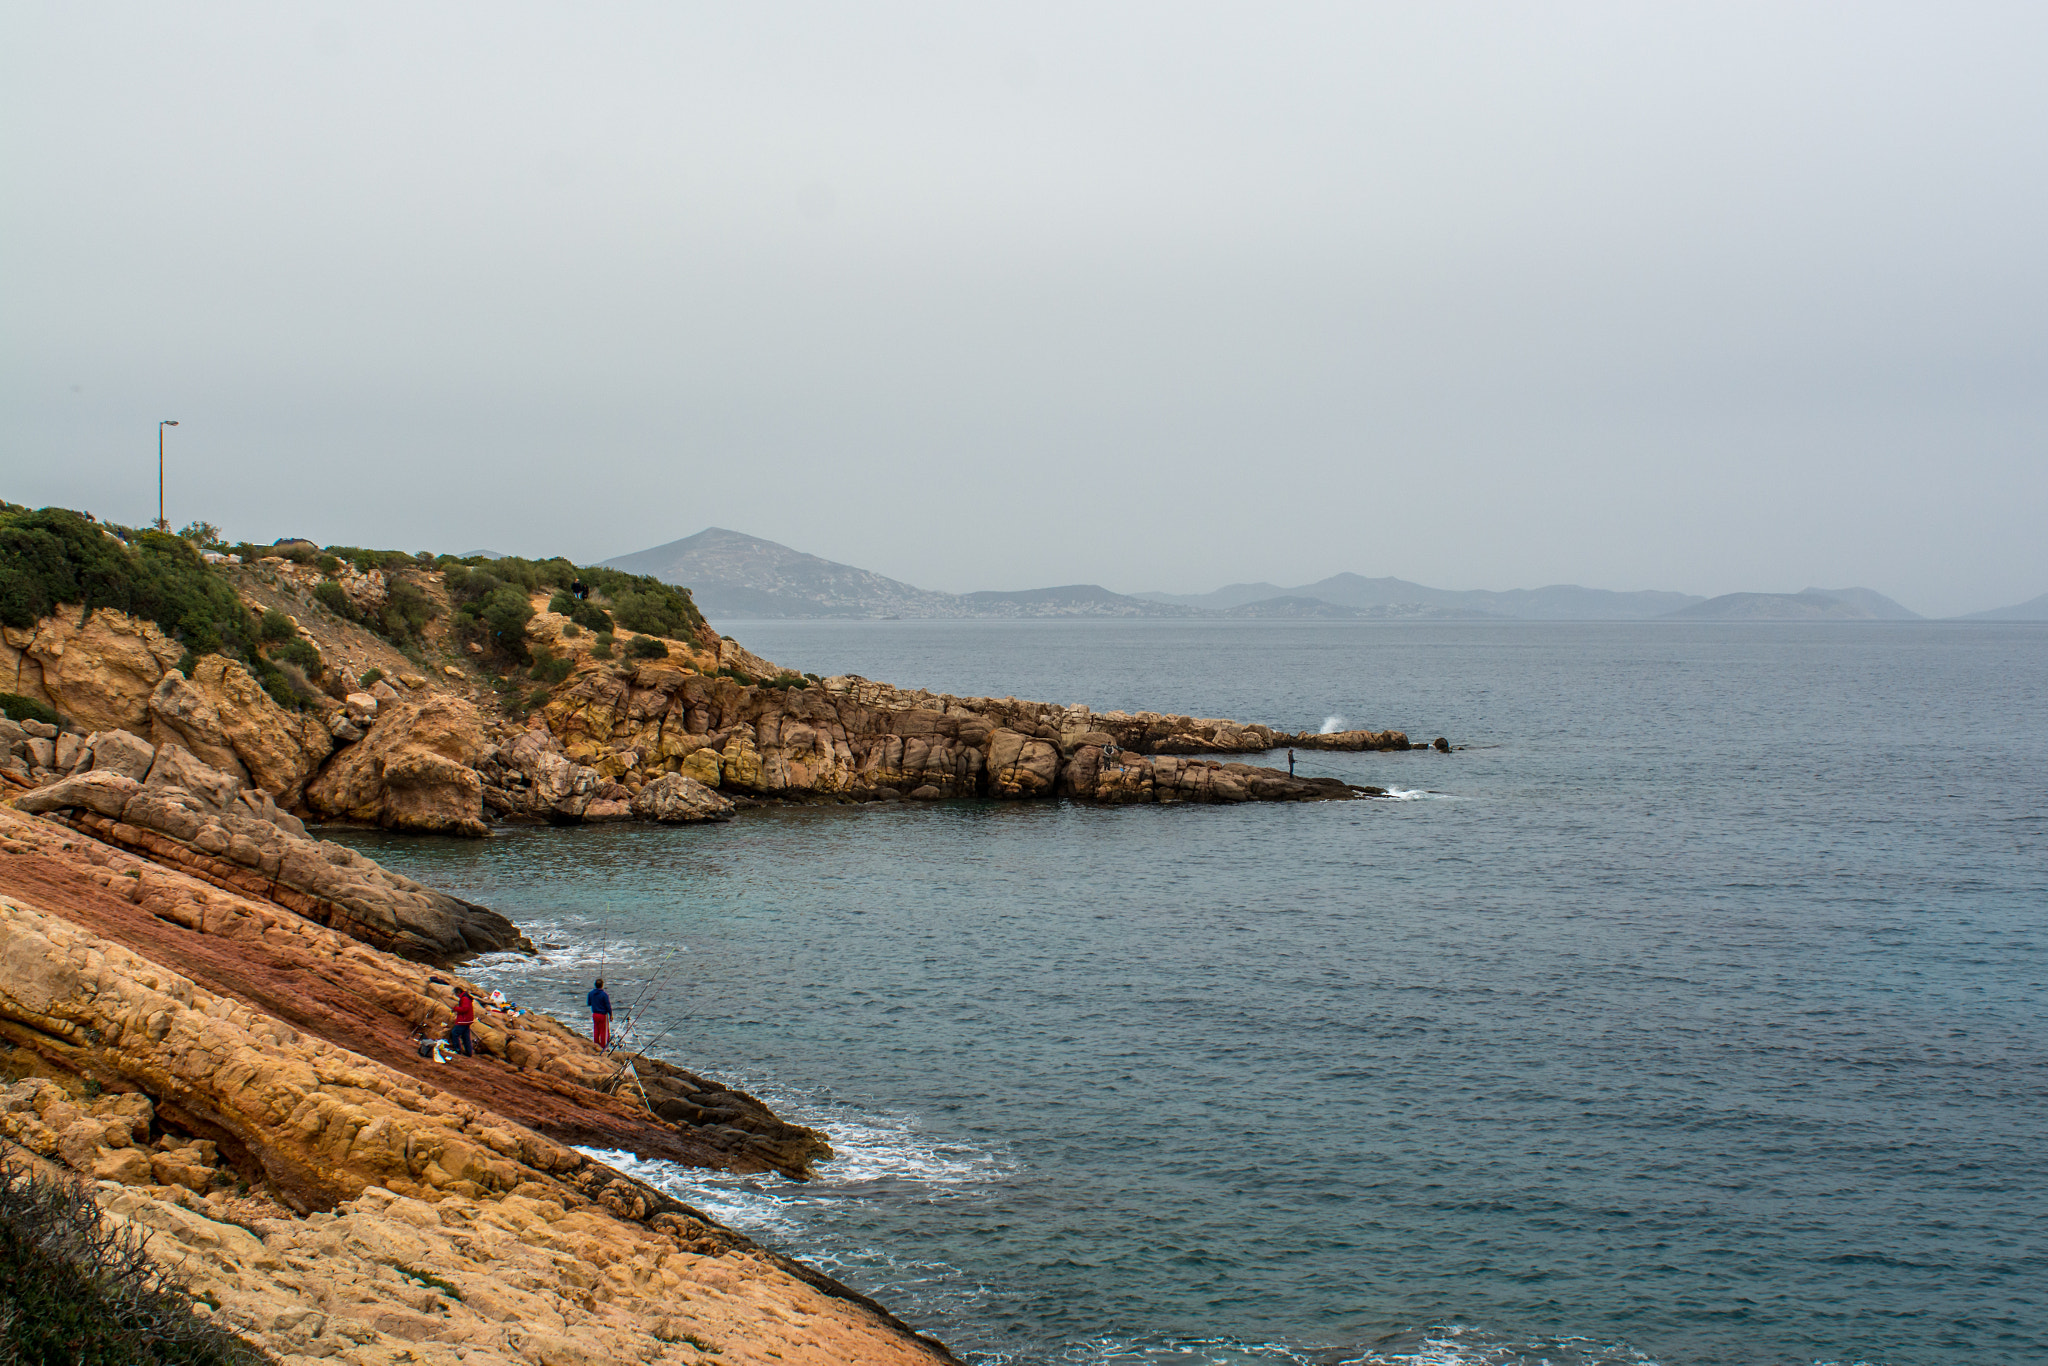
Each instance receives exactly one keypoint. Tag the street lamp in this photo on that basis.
(161, 524)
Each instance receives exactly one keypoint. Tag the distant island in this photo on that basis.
(736, 576)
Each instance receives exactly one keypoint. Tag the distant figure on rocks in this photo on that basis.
(600, 1016)
(581, 590)
(465, 1016)
(1290, 763)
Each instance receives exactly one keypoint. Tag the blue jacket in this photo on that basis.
(600, 1003)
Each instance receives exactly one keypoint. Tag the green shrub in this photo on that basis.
(329, 594)
(407, 610)
(327, 564)
(647, 647)
(300, 651)
(372, 677)
(298, 552)
(284, 690)
(538, 699)
(22, 708)
(74, 1290)
(551, 670)
(570, 630)
(276, 626)
(601, 648)
(205, 535)
(54, 556)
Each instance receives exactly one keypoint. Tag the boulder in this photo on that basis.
(1019, 766)
(180, 714)
(675, 799)
(178, 767)
(117, 751)
(414, 771)
(103, 791)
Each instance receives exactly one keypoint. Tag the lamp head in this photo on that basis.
(168, 422)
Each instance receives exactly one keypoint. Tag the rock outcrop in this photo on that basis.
(188, 815)
(411, 1224)
(415, 770)
(223, 715)
(621, 730)
(100, 674)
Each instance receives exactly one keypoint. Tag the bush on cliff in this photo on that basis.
(74, 1290)
(18, 708)
(407, 610)
(329, 594)
(52, 556)
(587, 615)
(646, 647)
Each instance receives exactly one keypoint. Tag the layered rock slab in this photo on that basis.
(529, 1067)
(210, 833)
(545, 1252)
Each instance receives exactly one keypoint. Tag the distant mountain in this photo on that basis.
(1301, 608)
(2034, 609)
(1880, 607)
(1847, 604)
(732, 574)
(1074, 600)
(484, 555)
(1559, 602)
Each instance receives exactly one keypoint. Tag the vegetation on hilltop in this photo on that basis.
(52, 557)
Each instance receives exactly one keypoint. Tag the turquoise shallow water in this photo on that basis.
(1692, 1015)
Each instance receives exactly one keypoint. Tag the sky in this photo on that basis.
(1711, 297)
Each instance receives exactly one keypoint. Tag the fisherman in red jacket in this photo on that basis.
(465, 1016)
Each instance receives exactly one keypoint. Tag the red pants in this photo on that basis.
(601, 1030)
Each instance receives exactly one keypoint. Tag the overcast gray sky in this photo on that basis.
(1711, 297)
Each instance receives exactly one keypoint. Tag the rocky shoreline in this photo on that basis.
(243, 1082)
(677, 740)
(211, 1016)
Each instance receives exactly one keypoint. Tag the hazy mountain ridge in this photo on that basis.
(734, 575)
(731, 574)
(1811, 604)
(2033, 609)
(1557, 602)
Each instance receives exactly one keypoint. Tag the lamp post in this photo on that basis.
(161, 524)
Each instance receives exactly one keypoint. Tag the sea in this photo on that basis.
(1689, 1011)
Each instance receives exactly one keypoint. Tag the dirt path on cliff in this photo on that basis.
(331, 999)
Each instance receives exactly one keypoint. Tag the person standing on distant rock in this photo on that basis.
(465, 1016)
(1290, 763)
(600, 1016)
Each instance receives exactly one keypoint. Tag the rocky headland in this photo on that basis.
(683, 733)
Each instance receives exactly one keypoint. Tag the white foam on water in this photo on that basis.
(1460, 1345)
(1414, 794)
(1331, 725)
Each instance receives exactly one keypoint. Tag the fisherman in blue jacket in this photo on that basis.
(600, 1016)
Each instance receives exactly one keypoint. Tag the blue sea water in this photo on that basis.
(1692, 1014)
